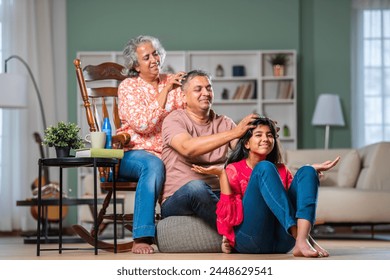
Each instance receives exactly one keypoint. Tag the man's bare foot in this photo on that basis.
(303, 248)
(321, 251)
(142, 246)
(226, 248)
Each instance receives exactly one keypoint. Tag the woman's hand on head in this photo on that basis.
(174, 80)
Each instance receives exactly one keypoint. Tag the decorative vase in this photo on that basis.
(62, 152)
(286, 131)
(278, 70)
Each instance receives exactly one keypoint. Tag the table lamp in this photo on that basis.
(328, 113)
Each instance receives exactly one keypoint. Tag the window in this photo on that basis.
(372, 75)
(376, 75)
(1, 111)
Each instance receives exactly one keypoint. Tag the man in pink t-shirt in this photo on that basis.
(196, 135)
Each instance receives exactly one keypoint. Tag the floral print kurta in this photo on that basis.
(140, 114)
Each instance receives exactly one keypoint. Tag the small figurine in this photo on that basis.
(219, 71)
(225, 94)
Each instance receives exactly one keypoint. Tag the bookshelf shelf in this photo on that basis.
(273, 78)
(286, 138)
(278, 101)
(230, 102)
(233, 79)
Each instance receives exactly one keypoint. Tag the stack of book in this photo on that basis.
(285, 90)
(100, 152)
(244, 91)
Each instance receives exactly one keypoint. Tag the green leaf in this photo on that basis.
(63, 135)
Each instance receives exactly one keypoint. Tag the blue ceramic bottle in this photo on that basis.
(107, 129)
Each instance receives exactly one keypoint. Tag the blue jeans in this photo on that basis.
(194, 198)
(149, 170)
(270, 210)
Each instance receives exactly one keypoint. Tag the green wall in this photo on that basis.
(318, 29)
(324, 68)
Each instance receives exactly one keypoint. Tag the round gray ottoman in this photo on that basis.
(187, 234)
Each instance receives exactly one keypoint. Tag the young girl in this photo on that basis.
(262, 208)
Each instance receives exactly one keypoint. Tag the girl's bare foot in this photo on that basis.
(226, 248)
(142, 246)
(321, 251)
(303, 248)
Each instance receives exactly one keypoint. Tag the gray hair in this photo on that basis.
(192, 74)
(130, 53)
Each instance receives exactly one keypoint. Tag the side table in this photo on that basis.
(66, 201)
(75, 162)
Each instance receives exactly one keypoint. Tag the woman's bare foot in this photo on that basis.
(303, 248)
(226, 248)
(321, 251)
(142, 246)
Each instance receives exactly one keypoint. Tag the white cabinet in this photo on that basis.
(243, 82)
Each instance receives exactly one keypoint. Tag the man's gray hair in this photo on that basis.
(192, 74)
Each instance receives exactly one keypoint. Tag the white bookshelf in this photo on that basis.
(278, 95)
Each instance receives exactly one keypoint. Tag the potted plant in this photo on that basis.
(63, 136)
(278, 62)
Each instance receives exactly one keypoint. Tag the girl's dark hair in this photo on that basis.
(240, 152)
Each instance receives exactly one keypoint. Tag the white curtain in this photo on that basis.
(370, 71)
(29, 28)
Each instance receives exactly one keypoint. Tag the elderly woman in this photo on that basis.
(145, 99)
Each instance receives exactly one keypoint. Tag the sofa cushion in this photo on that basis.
(297, 158)
(375, 173)
(349, 170)
(187, 234)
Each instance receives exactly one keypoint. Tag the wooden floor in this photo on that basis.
(18, 258)
(13, 248)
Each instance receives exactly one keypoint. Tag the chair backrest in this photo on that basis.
(98, 87)
(99, 91)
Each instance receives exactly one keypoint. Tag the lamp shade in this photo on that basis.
(328, 111)
(13, 91)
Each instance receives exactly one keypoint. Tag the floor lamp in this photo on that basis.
(328, 113)
(14, 90)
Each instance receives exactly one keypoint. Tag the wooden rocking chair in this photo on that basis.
(96, 99)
